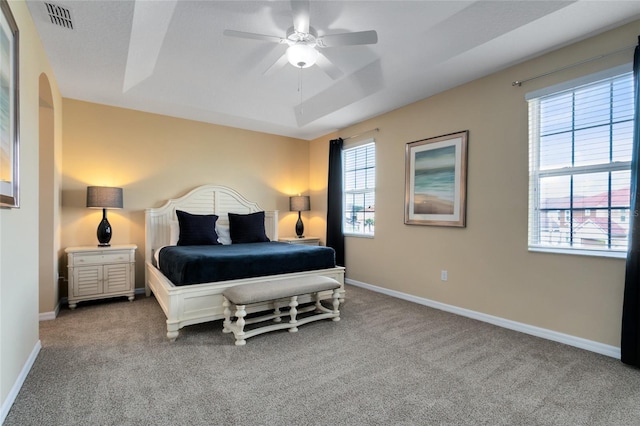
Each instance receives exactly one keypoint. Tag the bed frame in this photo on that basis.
(194, 304)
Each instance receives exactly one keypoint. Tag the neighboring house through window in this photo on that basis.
(580, 140)
(359, 182)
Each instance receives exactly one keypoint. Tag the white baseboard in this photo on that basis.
(15, 389)
(544, 333)
(48, 316)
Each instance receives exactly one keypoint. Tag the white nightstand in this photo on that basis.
(308, 241)
(100, 272)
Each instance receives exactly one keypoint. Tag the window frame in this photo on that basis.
(359, 191)
(535, 210)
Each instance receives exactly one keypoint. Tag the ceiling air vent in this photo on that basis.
(59, 16)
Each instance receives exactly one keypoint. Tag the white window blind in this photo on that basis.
(359, 168)
(580, 141)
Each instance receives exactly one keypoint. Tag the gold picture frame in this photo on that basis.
(436, 180)
(9, 116)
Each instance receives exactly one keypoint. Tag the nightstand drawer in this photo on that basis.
(99, 259)
(308, 241)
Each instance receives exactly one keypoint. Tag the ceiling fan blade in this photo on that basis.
(254, 36)
(300, 10)
(328, 67)
(281, 62)
(348, 39)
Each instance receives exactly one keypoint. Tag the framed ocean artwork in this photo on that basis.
(436, 180)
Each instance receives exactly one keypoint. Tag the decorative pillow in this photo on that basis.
(224, 237)
(197, 229)
(247, 228)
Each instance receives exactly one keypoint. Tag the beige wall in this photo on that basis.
(155, 157)
(489, 268)
(19, 234)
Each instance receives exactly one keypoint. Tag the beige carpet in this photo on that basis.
(387, 362)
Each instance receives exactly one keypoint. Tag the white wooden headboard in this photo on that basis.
(205, 199)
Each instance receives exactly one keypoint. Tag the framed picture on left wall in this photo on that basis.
(9, 117)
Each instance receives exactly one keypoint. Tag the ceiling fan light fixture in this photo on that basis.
(302, 55)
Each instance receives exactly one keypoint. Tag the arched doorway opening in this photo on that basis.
(49, 202)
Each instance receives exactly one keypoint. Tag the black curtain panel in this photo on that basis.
(335, 237)
(630, 344)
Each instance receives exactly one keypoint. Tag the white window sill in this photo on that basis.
(596, 253)
(359, 235)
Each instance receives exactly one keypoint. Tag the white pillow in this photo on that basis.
(224, 237)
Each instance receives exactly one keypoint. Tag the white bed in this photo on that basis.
(197, 303)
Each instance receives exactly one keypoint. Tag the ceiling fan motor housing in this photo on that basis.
(296, 36)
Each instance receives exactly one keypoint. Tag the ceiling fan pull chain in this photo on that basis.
(300, 89)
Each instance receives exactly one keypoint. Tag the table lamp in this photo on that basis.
(299, 203)
(104, 197)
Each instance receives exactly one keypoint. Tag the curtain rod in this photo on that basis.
(519, 82)
(360, 134)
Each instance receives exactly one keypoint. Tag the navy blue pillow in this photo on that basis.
(247, 228)
(197, 229)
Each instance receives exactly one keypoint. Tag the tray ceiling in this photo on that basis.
(170, 57)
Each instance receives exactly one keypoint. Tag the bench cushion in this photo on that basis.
(278, 289)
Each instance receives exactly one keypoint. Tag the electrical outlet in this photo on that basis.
(444, 275)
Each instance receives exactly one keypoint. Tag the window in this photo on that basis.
(580, 140)
(359, 168)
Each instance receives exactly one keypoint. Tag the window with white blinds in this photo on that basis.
(580, 141)
(359, 168)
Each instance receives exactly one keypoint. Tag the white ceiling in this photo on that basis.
(171, 57)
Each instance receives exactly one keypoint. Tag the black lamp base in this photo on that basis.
(104, 231)
(299, 227)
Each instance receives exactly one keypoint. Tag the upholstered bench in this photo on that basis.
(279, 292)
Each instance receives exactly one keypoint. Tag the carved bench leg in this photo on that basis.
(293, 312)
(240, 314)
(336, 304)
(227, 315)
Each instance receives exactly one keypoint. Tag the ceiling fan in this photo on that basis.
(304, 42)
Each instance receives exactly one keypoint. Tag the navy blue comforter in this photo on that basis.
(184, 265)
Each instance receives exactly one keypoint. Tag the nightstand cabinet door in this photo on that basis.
(100, 272)
(87, 280)
(116, 278)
